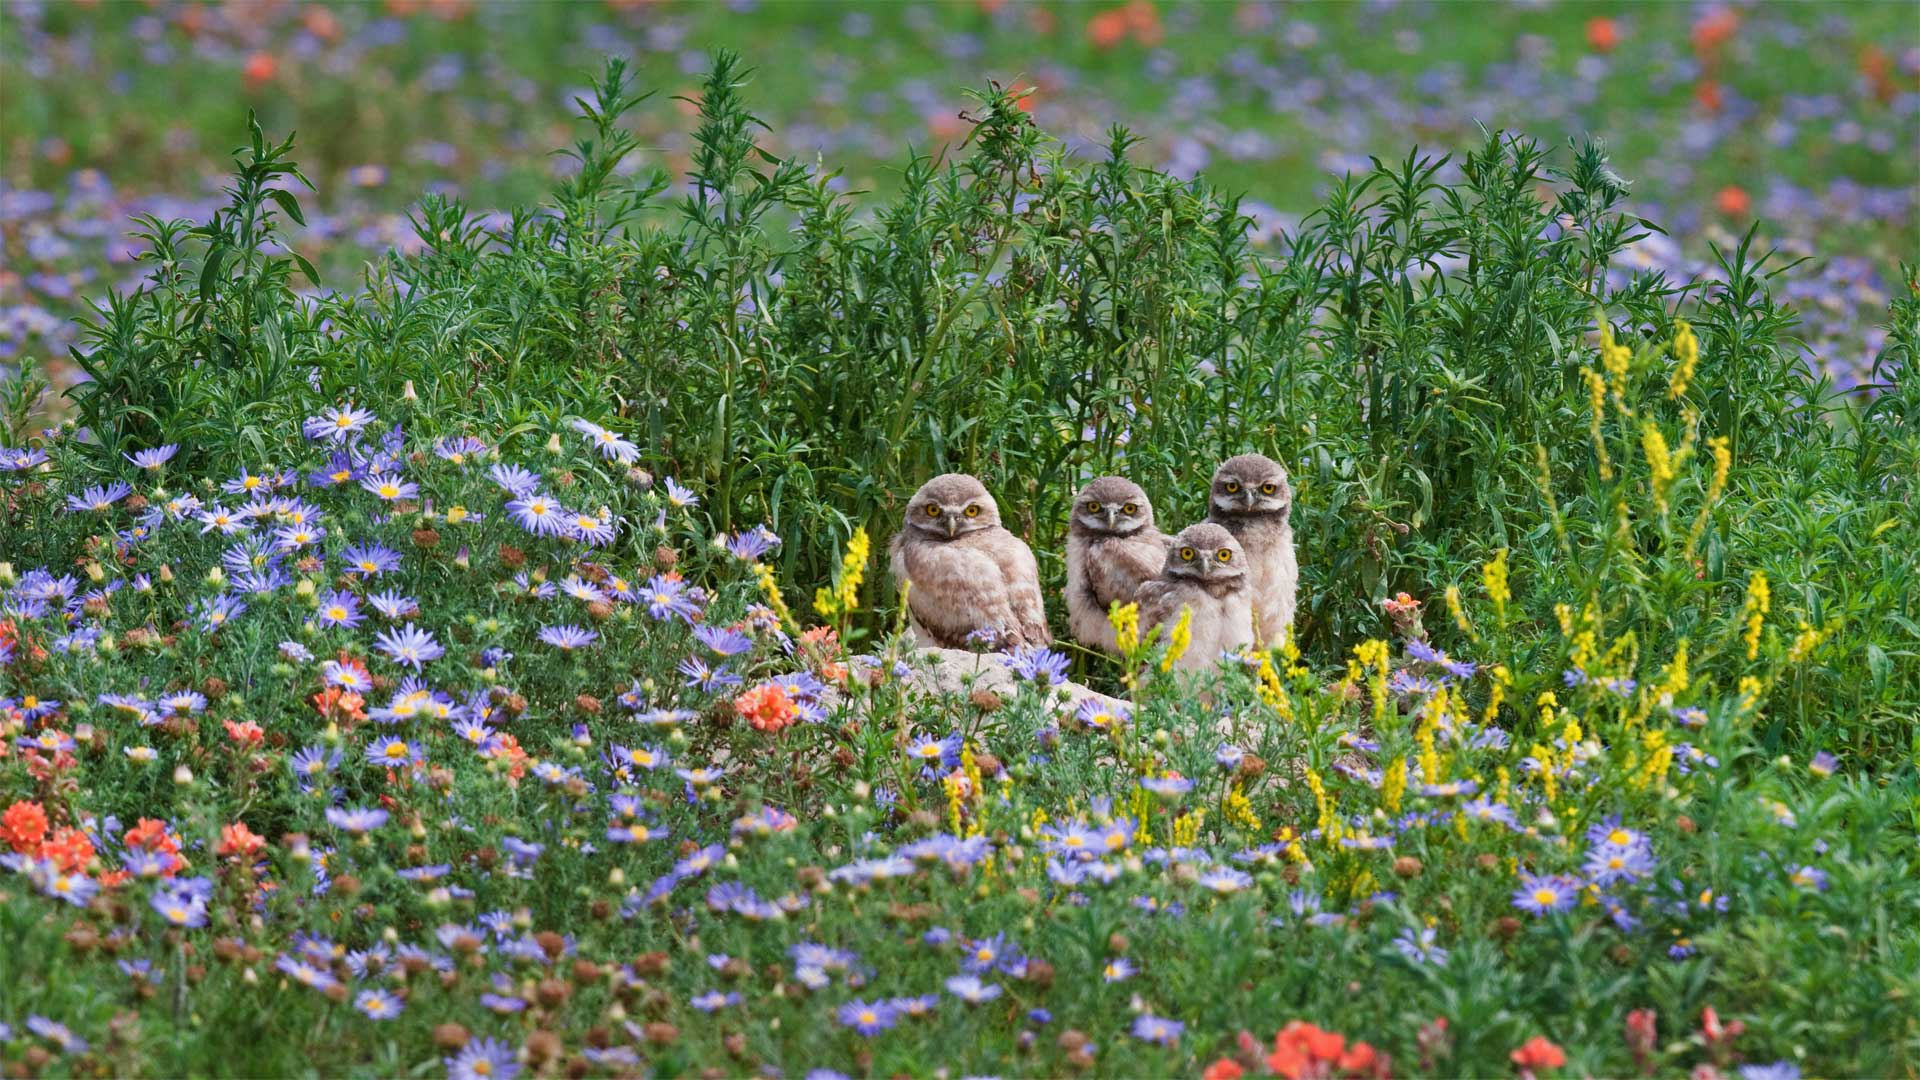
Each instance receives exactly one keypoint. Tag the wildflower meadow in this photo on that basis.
(483, 660)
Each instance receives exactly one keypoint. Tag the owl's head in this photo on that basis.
(951, 505)
(1251, 485)
(1111, 506)
(1206, 553)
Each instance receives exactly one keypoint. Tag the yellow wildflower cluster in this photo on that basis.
(1430, 723)
(844, 597)
(1374, 654)
(1271, 692)
(1238, 810)
(1459, 613)
(1754, 611)
(1494, 574)
(1547, 780)
(1751, 691)
(777, 602)
(1686, 354)
(1597, 395)
(1616, 358)
(1125, 620)
(1722, 464)
(1393, 784)
(1185, 831)
(1140, 808)
(1329, 821)
(1501, 679)
(1178, 641)
(1658, 758)
(1660, 462)
(1806, 641)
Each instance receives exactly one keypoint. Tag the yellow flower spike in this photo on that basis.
(1459, 613)
(1547, 780)
(1328, 821)
(1496, 697)
(1178, 641)
(1271, 691)
(1503, 793)
(1238, 810)
(844, 597)
(1616, 358)
(1125, 620)
(779, 603)
(1660, 470)
(1722, 464)
(1686, 353)
(1494, 575)
(1597, 401)
(1754, 611)
(1429, 756)
(1393, 784)
(1808, 640)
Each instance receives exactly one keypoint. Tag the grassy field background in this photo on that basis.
(1805, 116)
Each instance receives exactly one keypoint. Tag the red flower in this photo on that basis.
(767, 707)
(1224, 1069)
(245, 733)
(1538, 1053)
(69, 849)
(1603, 34)
(237, 839)
(23, 826)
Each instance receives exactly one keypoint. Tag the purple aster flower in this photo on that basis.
(56, 1033)
(970, 989)
(723, 641)
(1823, 764)
(391, 752)
(1037, 663)
(336, 424)
(154, 458)
(515, 480)
(1419, 948)
(340, 608)
(1541, 895)
(378, 1004)
(680, 497)
(1808, 877)
(213, 613)
(1225, 879)
(749, 546)
(539, 514)
(611, 446)
(568, 638)
(458, 449)
(98, 498)
(390, 488)
(867, 1018)
(362, 820)
(667, 598)
(370, 560)
(409, 645)
(714, 1000)
(483, 1059)
(1150, 1028)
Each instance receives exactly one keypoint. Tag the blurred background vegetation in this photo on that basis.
(1806, 115)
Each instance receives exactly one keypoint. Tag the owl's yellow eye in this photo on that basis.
(933, 511)
(1093, 508)
(973, 511)
(1267, 489)
(1224, 554)
(1129, 509)
(1186, 554)
(1233, 487)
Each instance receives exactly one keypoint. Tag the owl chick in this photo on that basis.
(1250, 497)
(1205, 570)
(966, 572)
(1112, 548)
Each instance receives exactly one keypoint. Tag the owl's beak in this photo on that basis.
(1112, 516)
(1246, 497)
(953, 526)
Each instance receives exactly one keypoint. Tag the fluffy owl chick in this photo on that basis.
(1205, 570)
(1112, 548)
(1250, 497)
(966, 572)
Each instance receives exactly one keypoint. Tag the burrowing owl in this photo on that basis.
(1112, 547)
(1206, 570)
(1251, 498)
(967, 573)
